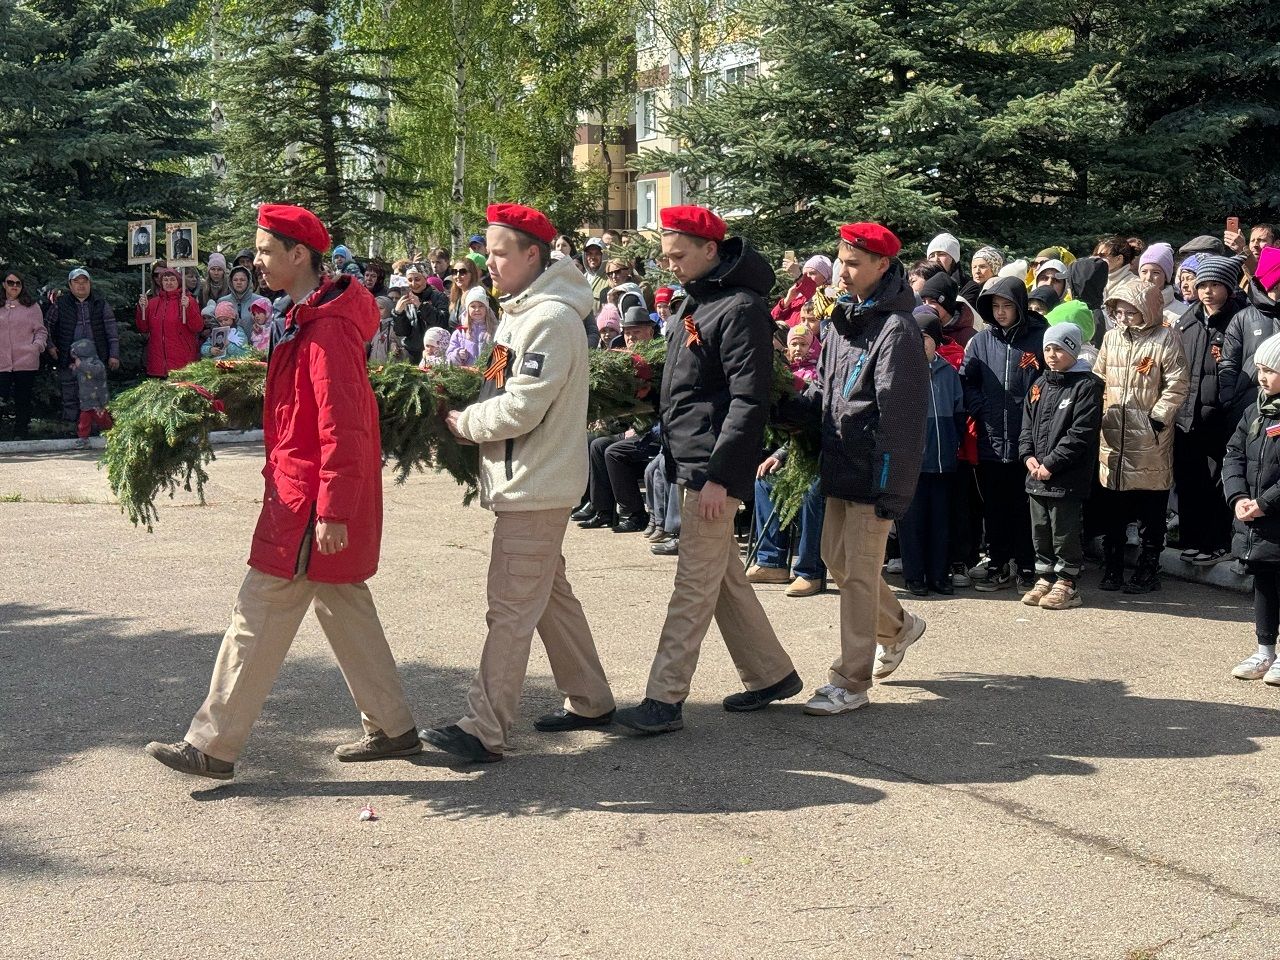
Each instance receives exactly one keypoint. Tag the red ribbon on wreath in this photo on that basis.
(645, 373)
(218, 405)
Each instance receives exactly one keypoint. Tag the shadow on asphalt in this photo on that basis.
(72, 682)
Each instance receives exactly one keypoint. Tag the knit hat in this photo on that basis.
(1203, 244)
(944, 243)
(991, 256)
(341, 251)
(1065, 335)
(1016, 268)
(225, 311)
(1191, 264)
(1045, 294)
(942, 288)
(261, 305)
(662, 295)
(929, 321)
(437, 337)
(799, 332)
(217, 260)
(435, 283)
(475, 295)
(609, 319)
(1268, 270)
(1268, 353)
(1075, 312)
(1161, 254)
(1223, 270)
(822, 265)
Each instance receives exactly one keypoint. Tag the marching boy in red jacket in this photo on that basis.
(321, 523)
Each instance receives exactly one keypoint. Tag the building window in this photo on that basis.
(646, 32)
(646, 115)
(646, 204)
(739, 74)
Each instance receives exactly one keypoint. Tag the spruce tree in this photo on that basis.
(96, 129)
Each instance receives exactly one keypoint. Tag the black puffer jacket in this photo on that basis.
(1000, 364)
(871, 400)
(1202, 342)
(1061, 423)
(715, 393)
(1251, 468)
(1237, 374)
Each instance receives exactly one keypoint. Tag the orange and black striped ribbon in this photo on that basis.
(497, 369)
(691, 328)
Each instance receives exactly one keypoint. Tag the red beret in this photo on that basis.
(871, 237)
(695, 221)
(525, 219)
(296, 223)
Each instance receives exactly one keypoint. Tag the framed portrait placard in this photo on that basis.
(182, 249)
(141, 242)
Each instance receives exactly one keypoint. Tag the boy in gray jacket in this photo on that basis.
(91, 384)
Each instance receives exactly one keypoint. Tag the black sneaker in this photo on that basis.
(918, 588)
(1112, 579)
(598, 520)
(652, 716)
(185, 758)
(1025, 580)
(453, 739)
(378, 746)
(944, 587)
(632, 524)
(667, 548)
(749, 700)
(562, 720)
(584, 512)
(1000, 578)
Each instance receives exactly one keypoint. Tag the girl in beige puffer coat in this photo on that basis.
(1145, 371)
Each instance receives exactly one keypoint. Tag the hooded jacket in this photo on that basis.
(1237, 373)
(172, 332)
(1251, 468)
(947, 420)
(999, 367)
(1060, 426)
(532, 429)
(1087, 282)
(1206, 402)
(872, 399)
(22, 336)
(1145, 372)
(242, 302)
(715, 391)
(91, 376)
(961, 326)
(323, 445)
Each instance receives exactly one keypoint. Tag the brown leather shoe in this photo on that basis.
(185, 758)
(759, 574)
(378, 746)
(802, 587)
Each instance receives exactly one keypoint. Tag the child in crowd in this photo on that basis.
(260, 336)
(475, 329)
(800, 356)
(435, 342)
(609, 323)
(1145, 372)
(1251, 484)
(924, 531)
(226, 339)
(1059, 447)
(91, 383)
(1001, 363)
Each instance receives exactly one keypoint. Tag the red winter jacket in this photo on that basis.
(171, 334)
(320, 426)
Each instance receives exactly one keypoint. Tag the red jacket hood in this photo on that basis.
(344, 298)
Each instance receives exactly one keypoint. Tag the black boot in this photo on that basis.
(1146, 579)
(1112, 568)
(584, 512)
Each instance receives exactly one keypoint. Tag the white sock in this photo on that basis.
(1267, 651)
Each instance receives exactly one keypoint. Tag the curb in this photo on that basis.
(1220, 575)
(217, 437)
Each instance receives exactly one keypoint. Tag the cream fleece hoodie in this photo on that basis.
(533, 431)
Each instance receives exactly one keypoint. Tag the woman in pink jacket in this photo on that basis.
(22, 339)
(171, 320)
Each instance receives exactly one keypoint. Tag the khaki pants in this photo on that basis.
(712, 582)
(265, 619)
(528, 590)
(853, 541)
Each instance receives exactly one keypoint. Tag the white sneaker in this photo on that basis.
(1273, 675)
(889, 657)
(894, 565)
(828, 700)
(1257, 667)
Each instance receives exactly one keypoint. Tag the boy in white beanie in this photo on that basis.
(1061, 421)
(1251, 484)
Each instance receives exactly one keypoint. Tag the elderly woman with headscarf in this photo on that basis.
(814, 276)
(984, 265)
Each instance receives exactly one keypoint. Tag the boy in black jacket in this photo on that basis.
(714, 402)
(1059, 446)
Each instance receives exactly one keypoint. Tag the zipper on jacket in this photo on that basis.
(1008, 356)
(937, 430)
(511, 446)
(1248, 543)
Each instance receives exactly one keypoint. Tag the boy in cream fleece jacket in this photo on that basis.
(530, 421)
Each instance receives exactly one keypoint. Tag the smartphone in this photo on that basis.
(789, 255)
(1233, 224)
